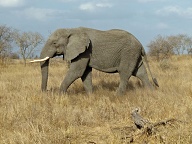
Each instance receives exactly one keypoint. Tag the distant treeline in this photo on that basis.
(27, 42)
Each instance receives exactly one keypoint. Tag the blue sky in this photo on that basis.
(144, 18)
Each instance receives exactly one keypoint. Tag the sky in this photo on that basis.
(146, 19)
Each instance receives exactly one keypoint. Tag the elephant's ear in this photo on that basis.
(77, 44)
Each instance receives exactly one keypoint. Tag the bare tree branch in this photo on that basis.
(6, 40)
(27, 43)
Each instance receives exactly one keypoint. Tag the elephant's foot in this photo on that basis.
(62, 92)
(120, 92)
(88, 89)
(89, 92)
(122, 88)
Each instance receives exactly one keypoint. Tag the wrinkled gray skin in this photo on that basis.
(108, 51)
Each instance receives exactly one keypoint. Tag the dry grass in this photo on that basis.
(28, 116)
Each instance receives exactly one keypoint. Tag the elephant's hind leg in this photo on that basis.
(127, 65)
(141, 73)
(87, 80)
(123, 83)
(125, 73)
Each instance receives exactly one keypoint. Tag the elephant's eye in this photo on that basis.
(55, 44)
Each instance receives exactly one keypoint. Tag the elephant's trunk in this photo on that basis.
(46, 54)
(44, 63)
(44, 73)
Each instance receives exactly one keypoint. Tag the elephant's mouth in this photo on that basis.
(58, 54)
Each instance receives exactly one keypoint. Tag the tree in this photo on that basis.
(161, 48)
(180, 43)
(6, 40)
(27, 42)
(14, 55)
(188, 44)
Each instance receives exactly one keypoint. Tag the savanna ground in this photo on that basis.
(28, 116)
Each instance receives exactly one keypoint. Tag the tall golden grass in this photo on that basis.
(29, 116)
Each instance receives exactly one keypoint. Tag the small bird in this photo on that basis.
(138, 120)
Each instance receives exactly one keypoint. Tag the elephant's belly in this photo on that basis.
(107, 70)
(109, 67)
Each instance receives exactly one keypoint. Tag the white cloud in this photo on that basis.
(170, 10)
(104, 5)
(188, 12)
(87, 6)
(66, 0)
(145, 1)
(93, 6)
(176, 10)
(39, 14)
(162, 26)
(11, 3)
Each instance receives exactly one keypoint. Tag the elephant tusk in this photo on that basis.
(40, 60)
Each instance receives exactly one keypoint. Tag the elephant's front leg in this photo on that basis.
(76, 70)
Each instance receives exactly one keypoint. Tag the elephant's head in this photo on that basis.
(67, 42)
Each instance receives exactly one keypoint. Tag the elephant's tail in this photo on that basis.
(146, 61)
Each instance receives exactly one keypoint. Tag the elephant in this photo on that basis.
(110, 51)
